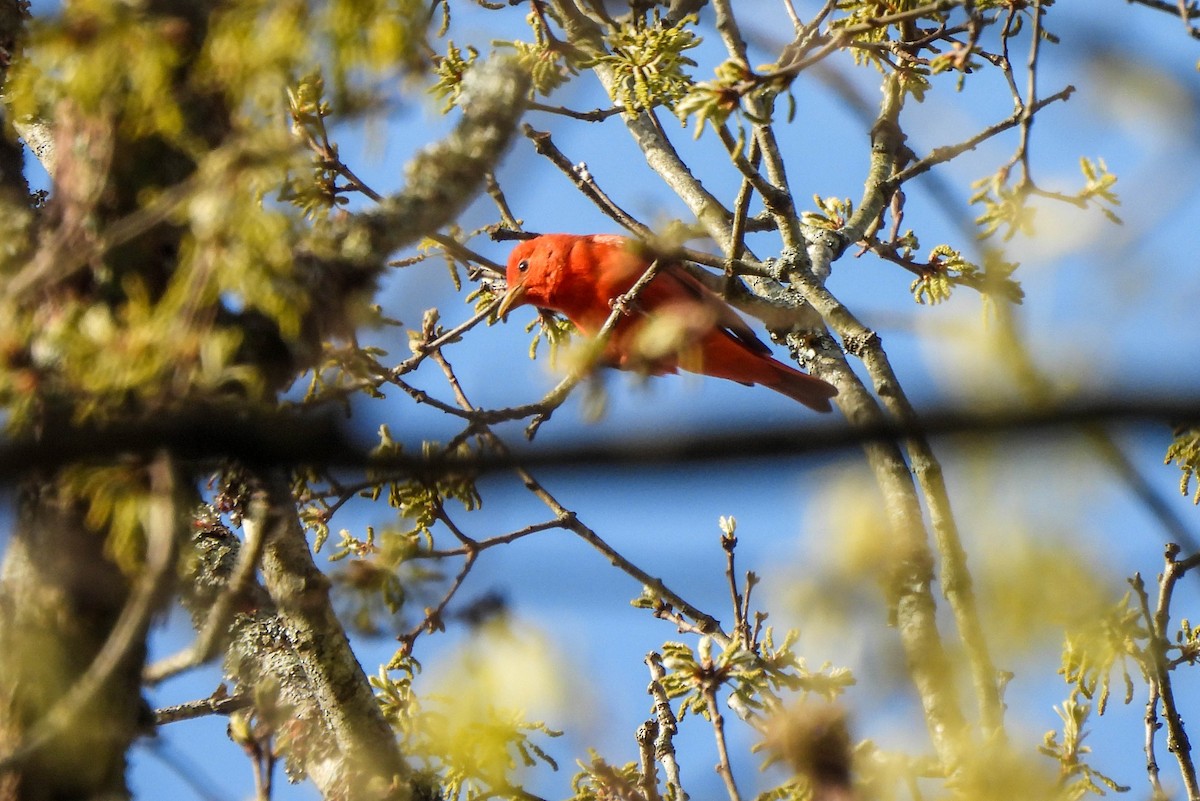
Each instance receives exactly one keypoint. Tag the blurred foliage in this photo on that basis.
(1006, 204)
(1104, 644)
(468, 729)
(256, 47)
(600, 781)
(157, 325)
(713, 101)
(116, 501)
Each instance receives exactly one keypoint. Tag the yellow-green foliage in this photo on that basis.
(549, 67)
(1185, 452)
(1098, 186)
(450, 70)
(549, 62)
(647, 61)
(416, 499)
(1006, 203)
(713, 101)
(831, 214)
(556, 331)
(471, 728)
(946, 268)
(754, 679)
(1077, 778)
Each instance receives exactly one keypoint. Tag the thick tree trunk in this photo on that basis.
(60, 596)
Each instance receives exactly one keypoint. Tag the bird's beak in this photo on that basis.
(515, 296)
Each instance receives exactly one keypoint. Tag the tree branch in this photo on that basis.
(364, 740)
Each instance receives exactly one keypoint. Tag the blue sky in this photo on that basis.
(1107, 309)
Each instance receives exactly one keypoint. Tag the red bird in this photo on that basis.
(676, 322)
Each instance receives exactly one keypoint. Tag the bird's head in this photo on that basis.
(534, 267)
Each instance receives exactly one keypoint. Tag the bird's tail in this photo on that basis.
(723, 355)
(812, 392)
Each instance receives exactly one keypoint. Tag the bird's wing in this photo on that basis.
(672, 284)
(676, 279)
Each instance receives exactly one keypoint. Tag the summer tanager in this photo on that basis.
(675, 322)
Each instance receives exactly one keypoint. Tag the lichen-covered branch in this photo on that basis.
(441, 179)
(260, 654)
(372, 762)
(212, 633)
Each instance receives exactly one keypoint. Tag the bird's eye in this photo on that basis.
(522, 265)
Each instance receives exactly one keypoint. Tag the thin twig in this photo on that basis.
(461, 252)
(425, 348)
(1152, 726)
(433, 617)
(741, 208)
(203, 707)
(724, 768)
(776, 199)
(595, 115)
(940, 155)
(741, 628)
(1027, 116)
(490, 542)
(775, 191)
(704, 622)
(1177, 739)
(583, 180)
(497, 196)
